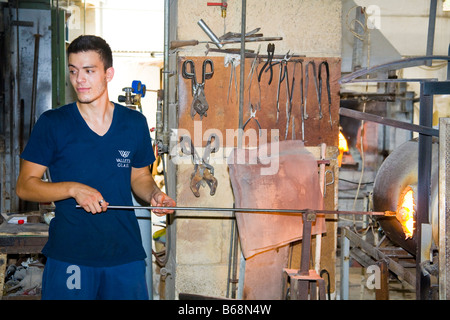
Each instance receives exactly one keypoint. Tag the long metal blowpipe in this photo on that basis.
(252, 210)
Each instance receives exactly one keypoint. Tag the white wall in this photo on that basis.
(134, 29)
(404, 23)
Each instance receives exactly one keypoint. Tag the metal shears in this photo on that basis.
(199, 104)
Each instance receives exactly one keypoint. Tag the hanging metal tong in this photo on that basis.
(313, 65)
(199, 104)
(289, 96)
(203, 171)
(327, 71)
(281, 75)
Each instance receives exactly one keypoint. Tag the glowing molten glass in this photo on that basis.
(405, 212)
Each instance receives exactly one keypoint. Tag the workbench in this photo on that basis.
(27, 238)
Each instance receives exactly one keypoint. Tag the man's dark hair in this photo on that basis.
(92, 43)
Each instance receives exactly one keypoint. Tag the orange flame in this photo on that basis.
(343, 147)
(405, 212)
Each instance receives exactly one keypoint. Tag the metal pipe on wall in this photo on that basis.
(424, 187)
(15, 122)
(164, 144)
(37, 37)
(448, 65)
(240, 131)
(431, 28)
(166, 76)
(242, 71)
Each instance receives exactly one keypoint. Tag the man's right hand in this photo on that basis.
(30, 187)
(90, 199)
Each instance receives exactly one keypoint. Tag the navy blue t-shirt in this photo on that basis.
(62, 141)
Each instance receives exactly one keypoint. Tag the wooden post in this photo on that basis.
(382, 293)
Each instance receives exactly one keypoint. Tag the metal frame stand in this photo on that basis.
(428, 88)
(305, 280)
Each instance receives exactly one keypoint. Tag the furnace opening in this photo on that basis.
(406, 211)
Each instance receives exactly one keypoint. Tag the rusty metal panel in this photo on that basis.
(292, 183)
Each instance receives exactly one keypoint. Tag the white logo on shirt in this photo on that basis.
(123, 162)
(124, 154)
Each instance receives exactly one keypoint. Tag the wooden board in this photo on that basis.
(28, 229)
(223, 112)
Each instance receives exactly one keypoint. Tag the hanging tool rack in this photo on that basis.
(279, 105)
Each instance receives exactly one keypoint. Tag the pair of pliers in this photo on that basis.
(252, 116)
(270, 54)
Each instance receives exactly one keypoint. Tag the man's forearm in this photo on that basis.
(36, 190)
(145, 187)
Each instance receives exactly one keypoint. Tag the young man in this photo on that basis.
(98, 153)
